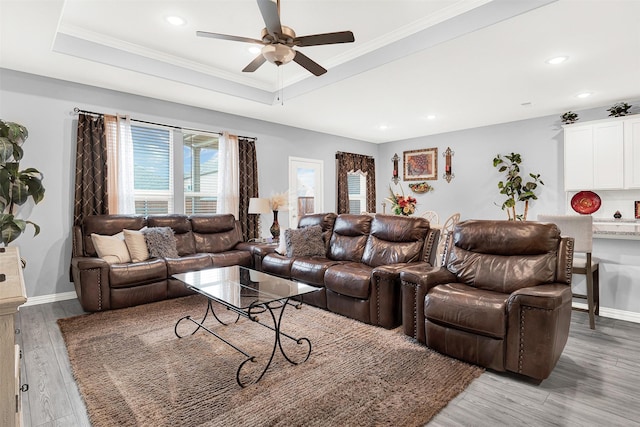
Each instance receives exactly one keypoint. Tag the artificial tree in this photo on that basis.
(16, 186)
(514, 186)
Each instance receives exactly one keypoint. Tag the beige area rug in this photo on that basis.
(133, 371)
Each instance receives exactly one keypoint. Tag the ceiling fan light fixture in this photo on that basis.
(278, 54)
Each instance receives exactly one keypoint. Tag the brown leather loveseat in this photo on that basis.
(202, 241)
(359, 271)
(502, 300)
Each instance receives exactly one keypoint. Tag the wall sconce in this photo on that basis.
(448, 173)
(395, 176)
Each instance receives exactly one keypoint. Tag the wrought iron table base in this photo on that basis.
(251, 314)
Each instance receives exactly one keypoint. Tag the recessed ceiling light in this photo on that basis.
(383, 127)
(431, 117)
(255, 50)
(175, 20)
(584, 95)
(557, 60)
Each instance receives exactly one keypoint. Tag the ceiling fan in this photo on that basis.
(279, 40)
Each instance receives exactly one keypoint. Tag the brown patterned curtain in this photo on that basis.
(91, 196)
(350, 162)
(248, 181)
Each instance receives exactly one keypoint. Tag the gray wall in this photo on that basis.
(45, 107)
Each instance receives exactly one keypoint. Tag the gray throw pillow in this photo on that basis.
(306, 241)
(161, 242)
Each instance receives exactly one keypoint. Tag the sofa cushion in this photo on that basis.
(349, 237)
(112, 249)
(305, 242)
(311, 269)
(277, 264)
(181, 226)
(467, 308)
(233, 257)
(136, 244)
(395, 239)
(161, 242)
(188, 263)
(351, 279)
(134, 274)
(215, 234)
(107, 225)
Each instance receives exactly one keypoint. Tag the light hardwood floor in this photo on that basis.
(596, 382)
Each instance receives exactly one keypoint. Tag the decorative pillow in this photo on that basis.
(112, 249)
(161, 242)
(282, 245)
(137, 245)
(306, 241)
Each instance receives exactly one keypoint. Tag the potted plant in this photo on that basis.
(569, 117)
(514, 186)
(16, 186)
(619, 109)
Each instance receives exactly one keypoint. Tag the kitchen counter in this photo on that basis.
(604, 228)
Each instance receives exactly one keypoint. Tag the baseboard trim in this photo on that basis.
(612, 313)
(629, 316)
(44, 299)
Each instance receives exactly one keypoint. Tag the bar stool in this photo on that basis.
(581, 229)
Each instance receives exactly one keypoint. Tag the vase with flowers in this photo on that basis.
(401, 204)
(277, 202)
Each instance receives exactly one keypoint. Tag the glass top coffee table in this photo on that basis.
(247, 293)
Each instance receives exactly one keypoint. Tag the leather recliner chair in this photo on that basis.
(502, 300)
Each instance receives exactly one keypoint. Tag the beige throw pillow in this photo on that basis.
(137, 245)
(112, 249)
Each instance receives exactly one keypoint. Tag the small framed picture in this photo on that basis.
(637, 210)
(420, 165)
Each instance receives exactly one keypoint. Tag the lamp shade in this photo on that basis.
(258, 206)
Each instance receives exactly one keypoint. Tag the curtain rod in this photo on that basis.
(93, 113)
(355, 154)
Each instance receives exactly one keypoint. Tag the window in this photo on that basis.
(357, 185)
(200, 173)
(157, 163)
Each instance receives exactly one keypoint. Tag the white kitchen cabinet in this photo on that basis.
(600, 155)
(632, 153)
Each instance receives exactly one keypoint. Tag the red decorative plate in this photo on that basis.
(585, 202)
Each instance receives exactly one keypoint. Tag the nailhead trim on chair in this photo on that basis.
(523, 311)
(99, 287)
(415, 306)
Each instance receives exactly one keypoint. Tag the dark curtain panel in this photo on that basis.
(91, 169)
(350, 162)
(248, 181)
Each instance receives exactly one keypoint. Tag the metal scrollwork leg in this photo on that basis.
(199, 323)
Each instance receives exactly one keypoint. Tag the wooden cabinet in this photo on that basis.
(602, 155)
(12, 295)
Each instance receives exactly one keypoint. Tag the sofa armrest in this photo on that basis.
(387, 309)
(415, 283)
(537, 329)
(258, 251)
(91, 281)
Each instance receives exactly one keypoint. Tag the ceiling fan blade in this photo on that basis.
(326, 38)
(255, 64)
(309, 64)
(271, 16)
(228, 37)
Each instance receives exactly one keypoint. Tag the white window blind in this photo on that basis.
(357, 186)
(153, 170)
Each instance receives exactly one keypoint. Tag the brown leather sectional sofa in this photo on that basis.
(202, 242)
(359, 276)
(502, 300)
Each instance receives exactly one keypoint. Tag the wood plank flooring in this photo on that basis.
(596, 382)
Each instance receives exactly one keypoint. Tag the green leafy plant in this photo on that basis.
(16, 186)
(569, 117)
(619, 109)
(514, 186)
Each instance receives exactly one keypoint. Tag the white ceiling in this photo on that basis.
(469, 63)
